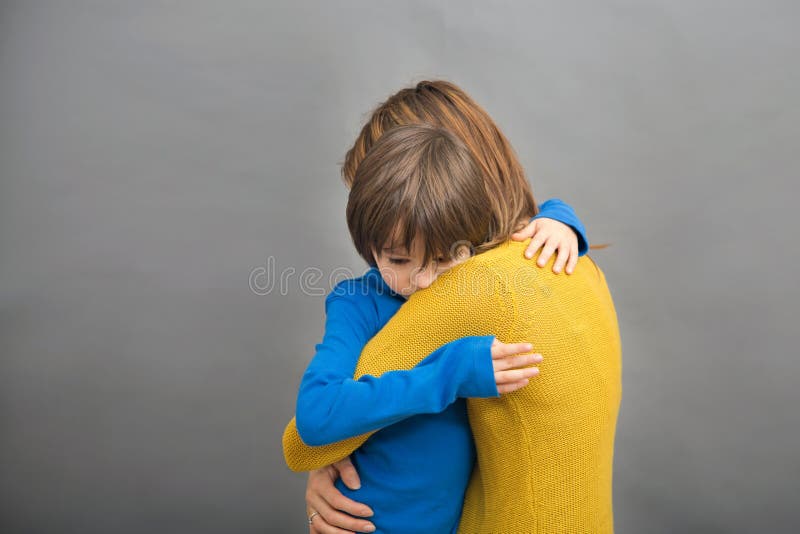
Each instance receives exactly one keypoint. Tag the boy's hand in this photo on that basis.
(329, 510)
(510, 365)
(554, 235)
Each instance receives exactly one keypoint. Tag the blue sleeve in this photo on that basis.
(563, 212)
(331, 406)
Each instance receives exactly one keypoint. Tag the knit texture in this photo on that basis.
(545, 452)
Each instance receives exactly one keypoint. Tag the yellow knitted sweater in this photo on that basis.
(545, 452)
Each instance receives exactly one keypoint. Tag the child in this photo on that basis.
(418, 192)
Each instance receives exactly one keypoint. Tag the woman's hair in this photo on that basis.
(419, 181)
(509, 200)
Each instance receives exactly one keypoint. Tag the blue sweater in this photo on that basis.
(415, 470)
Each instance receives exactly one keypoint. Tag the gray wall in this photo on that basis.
(153, 154)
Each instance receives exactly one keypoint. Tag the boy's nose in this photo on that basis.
(426, 277)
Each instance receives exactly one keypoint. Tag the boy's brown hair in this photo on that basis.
(443, 104)
(419, 181)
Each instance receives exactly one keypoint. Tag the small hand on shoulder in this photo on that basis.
(551, 236)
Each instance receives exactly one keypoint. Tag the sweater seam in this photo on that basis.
(514, 316)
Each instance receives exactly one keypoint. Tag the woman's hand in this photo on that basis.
(554, 236)
(510, 365)
(333, 512)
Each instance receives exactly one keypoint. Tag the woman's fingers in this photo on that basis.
(320, 487)
(348, 474)
(318, 525)
(335, 511)
(331, 521)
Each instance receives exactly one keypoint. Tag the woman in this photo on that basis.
(569, 417)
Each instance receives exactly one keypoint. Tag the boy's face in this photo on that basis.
(403, 271)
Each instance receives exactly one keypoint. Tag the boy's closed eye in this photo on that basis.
(403, 261)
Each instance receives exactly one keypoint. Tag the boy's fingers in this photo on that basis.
(501, 350)
(561, 259)
(515, 362)
(547, 251)
(508, 388)
(516, 348)
(515, 375)
(573, 260)
(535, 244)
(525, 233)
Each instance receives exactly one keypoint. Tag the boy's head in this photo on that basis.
(443, 104)
(418, 204)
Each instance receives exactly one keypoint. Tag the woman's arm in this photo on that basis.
(469, 300)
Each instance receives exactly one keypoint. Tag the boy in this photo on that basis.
(417, 193)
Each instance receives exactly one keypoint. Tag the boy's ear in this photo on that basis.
(463, 252)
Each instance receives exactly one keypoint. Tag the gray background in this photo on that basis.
(153, 154)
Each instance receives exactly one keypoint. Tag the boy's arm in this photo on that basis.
(562, 212)
(468, 300)
(331, 406)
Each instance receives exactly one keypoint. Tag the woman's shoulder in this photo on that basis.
(507, 252)
(483, 276)
(508, 261)
(504, 256)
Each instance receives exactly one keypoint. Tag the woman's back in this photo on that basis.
(545, 452)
